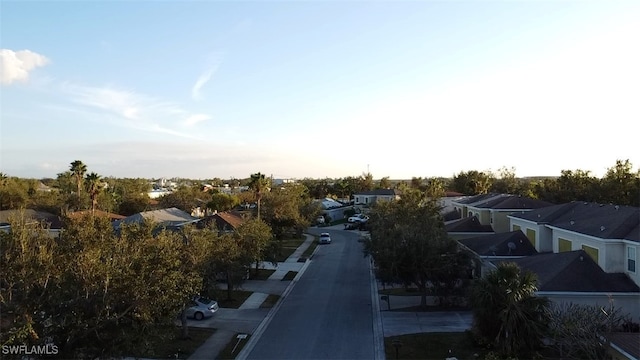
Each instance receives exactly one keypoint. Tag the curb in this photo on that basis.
(378, 330)
(246, 350)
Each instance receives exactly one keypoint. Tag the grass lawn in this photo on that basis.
(237, 298)
(288, 247)
(263, 274)
(167, 349)
(270, 301)
(289, 275)
(307, 253)
(433, 346)
(400, 292)
(228, 352)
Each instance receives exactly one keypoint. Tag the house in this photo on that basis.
(171, 217)
(368, 198)
(222, 221)
(609, 234)
(573, 276)
(100, 213)
(467, 227)
(461, 205)
(494, 211)
(499, 246)
(53, 222)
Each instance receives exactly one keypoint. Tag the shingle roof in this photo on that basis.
(573, 271)
(468, 224)
(498, 244)
(380, 192)
(476, 198)
(53, 221)
(221, 219)
(598, 220)
(79, 214)
(451, 215)
(512, 202)
(629, 342)
(168, 217)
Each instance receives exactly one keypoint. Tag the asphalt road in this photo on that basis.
(328, 313)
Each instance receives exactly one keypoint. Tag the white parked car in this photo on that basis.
(201, 307)
(358, 218)
(325, 238)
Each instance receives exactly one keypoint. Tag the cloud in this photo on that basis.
(205, 77)
(133, 110)
(196, 118)
(16, 65)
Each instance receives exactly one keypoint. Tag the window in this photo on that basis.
(531, 235)
(631, 259)
(516, 227)
(564, 245)
(593, 252)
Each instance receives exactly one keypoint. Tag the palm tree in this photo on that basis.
(78, 168)
(259, 184)
(506, 311)
(94, 186)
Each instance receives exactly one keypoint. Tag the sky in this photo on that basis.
(316, 89)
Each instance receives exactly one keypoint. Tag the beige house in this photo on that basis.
(368, 198)
(609, 234)
(493, 209)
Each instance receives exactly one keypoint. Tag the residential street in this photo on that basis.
(328, 314)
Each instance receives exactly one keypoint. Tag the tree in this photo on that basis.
(506, 311)
(94, 187)
(576, 330)
(408, 241)
(92, 292)
(223, 202)
(254, 236)
(78, 169)
(366, 182)
(620, 185)
(384, 183)
(288, 209)
(506, 182)
(259, 184)
(185, 198)
(472, 182)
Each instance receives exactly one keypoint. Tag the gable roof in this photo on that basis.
(498, 244)
(468, 224)
(598, 220)
(380, 192)
(451, 215)
(53, 221)
(167, 217)
(476, 198)
(629, 342)
(511, 202)
(82, 213)
(222, 221)
(573, 271)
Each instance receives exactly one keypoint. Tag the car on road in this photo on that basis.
(201, 308)
(358, 218)
(324, 238)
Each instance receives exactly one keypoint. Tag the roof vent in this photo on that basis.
(581, 258)
(538, 215)
(617, 207)
(572, 222)
(602, 228)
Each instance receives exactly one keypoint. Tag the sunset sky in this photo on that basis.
(294, 89)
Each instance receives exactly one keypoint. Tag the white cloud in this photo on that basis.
(206, 76)
(133, 110)
(196, 118)
(16, 65)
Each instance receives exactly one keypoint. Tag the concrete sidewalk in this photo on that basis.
(249, 316)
